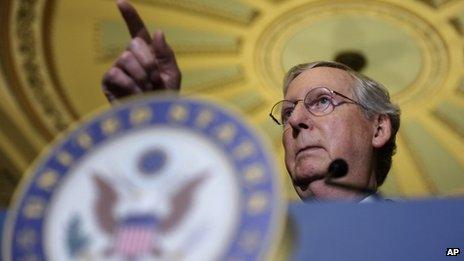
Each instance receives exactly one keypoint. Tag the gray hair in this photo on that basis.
(375, 99)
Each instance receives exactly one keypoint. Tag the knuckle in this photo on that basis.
(125, 57)
(136, 43)
(148, 62)
(110, 75)
(140, 77)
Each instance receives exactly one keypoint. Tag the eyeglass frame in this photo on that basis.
(332, 92)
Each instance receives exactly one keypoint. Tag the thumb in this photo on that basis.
(166, 60)
(163, 52)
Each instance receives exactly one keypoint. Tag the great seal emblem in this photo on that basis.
(158, 178)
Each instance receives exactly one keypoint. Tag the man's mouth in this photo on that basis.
(308, 149)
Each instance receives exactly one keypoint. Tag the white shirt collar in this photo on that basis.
(369, 199)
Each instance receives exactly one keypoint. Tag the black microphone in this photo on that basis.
(339, 168)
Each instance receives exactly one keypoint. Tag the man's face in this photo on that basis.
(312, 142)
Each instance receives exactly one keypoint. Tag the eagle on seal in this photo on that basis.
(136, 234)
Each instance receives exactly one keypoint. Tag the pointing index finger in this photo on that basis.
(133, 21)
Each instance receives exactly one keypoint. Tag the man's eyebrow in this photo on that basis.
(293, 101)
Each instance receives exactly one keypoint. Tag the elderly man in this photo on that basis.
(343, 115)
(329, 112)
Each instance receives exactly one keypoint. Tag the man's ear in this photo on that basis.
(382, 131)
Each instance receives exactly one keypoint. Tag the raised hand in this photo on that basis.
(147, 64)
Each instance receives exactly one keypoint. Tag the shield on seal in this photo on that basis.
(135, 235)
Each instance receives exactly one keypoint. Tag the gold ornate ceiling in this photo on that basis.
(54, 53)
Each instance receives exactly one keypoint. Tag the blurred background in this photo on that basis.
(53, 54)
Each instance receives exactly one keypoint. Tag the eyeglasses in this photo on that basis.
(319, 102)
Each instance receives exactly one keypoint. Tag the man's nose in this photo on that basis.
(300, 118)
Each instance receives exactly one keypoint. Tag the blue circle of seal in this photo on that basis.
(23, 237)
(152, 161)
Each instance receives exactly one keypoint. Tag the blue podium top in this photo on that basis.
(411, 230)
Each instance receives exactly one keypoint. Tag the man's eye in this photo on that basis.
(286, 113)
(321, 103)
(323, 100)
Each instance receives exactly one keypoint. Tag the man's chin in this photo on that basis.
(304, 190)
(309, 169)
(304, 176)
(305, 195)
(318, 190)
